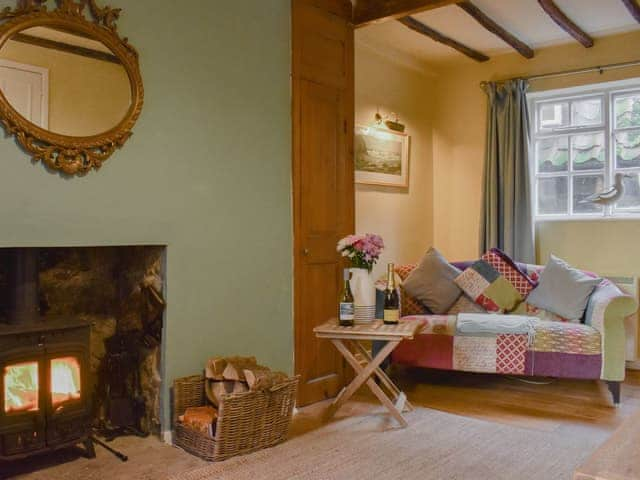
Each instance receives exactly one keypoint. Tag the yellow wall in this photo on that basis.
(458, 138)
(86, 96)
(403, 216)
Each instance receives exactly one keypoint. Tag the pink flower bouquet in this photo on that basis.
(363, 250)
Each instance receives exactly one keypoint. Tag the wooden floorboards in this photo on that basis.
(571, 406)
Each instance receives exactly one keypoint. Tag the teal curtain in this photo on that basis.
(506, 220)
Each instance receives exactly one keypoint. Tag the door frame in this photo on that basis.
(343, 10)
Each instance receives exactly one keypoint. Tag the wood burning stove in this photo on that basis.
(45, 386)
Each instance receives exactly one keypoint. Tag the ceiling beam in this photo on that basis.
(420, 27)
(484, 20)
(565, 23)
(634, 8)
(367, 12)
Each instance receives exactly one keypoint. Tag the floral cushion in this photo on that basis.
(488, 288)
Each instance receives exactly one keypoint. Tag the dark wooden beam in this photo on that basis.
(420, 27)
(634, 8)
(519, 46)
(565, 23)
(65, 47)
(367, 12)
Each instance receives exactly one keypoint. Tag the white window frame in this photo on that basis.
(608, 91)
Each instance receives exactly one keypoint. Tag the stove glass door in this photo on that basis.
(21, 387)
(65, 381)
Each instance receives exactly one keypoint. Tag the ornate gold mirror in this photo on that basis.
(70, 86)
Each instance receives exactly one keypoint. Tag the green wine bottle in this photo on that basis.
(346, 308)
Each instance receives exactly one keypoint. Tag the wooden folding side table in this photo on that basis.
(369, 367)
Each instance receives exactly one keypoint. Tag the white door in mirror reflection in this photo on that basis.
(27, 90)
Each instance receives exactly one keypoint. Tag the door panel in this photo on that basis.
(321, 151)
(26, 89)
(323, 185)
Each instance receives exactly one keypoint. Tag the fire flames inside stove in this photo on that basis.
(65, 380)
(21, 387)
(21, 384)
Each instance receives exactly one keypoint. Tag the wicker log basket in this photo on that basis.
(247, 421)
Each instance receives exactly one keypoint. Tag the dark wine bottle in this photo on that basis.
(346, 307)
(391, 298)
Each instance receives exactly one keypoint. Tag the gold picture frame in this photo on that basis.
(66, 154)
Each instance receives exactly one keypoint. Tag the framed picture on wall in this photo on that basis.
(381, 157)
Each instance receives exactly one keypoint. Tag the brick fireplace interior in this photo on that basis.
(80, 346)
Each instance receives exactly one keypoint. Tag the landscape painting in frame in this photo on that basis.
(381, 157)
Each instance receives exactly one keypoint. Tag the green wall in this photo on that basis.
(207, 172)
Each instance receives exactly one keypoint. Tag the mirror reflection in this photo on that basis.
(64, 81)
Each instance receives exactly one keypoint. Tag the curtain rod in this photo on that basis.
(576, 71)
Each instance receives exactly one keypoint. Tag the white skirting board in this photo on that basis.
(634, 365)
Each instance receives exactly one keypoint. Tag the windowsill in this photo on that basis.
(625, 218)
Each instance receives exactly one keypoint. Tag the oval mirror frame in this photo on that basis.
(66, 154)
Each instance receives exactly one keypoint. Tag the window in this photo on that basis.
(582, 141)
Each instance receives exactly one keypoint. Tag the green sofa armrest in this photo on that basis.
(606, 311)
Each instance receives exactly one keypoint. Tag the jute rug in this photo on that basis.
(436, 446)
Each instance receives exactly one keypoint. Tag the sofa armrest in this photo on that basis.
(606, 311)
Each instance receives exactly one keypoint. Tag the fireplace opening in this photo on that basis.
(80, 345)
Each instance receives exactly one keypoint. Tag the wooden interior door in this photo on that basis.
(323, 182)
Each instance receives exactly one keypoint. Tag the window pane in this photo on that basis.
(630, 199)
(553, 115)
(21, 387)
(583, 186)
(552, 195)
(586, 112)
(587, 151)
(553, 154)
(628, 149)
(627, 111)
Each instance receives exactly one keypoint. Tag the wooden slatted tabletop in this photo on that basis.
(376, 330)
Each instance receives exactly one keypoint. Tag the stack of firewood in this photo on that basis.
(224, 376)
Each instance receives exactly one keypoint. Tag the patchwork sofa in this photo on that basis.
(593, 349)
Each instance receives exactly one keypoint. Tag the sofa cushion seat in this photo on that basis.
(558, 349)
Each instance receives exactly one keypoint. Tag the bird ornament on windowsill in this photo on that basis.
(610, 195)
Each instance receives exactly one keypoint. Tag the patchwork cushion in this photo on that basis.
(488, 288)
(501, 262)
(563, 290)
(464, 304)
(432, 282)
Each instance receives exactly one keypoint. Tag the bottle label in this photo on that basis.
(346, 311)
(391, 316)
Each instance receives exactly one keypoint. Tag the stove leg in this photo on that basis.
(89, 448)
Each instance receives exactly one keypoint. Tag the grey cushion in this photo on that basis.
(563, 290)
(431, 282)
